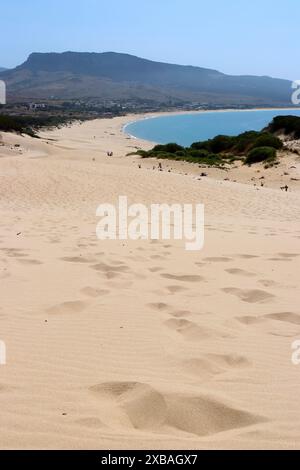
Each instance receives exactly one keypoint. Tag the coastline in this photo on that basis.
(287, 173)
(145, 116)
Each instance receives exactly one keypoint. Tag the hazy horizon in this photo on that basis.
(257, 39)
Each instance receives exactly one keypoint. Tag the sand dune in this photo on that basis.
(140, 344)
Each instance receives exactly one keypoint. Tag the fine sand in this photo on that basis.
(140, 344)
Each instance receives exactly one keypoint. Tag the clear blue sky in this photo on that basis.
(258, 37)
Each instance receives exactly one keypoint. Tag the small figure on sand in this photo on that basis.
(284, 188)
(110, 154)
(160, 167)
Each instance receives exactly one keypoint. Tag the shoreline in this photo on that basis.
(286, 173)
(108, 135)
(146, 116)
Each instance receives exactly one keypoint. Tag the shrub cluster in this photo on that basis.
(289, 125)
(30, 124)
(250, 147)
(261, 154)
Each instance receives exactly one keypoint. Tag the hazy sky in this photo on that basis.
(258, 37)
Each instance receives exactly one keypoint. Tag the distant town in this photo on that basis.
(99, 108)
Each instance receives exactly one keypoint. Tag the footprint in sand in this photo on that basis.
(248, 320)
(201, 368)
(183, 278)
(17, 255)
(160, 306)
(109, 271)
(180, 313)
(4, 274)
(245, 256)
(176, 289)
(110, 275)
(14, 252)
(30, 262)
(149, 409)
(77, 259)
(159, 257)
(118, 263)
(155, 269)
(268, 283)
(5, 388)
(119, 285)
(239, 272)
(203, 415)
(144, 406)
(189, 330)
(251, 295)
(91, 422)
(218, 259)
(230, 361)
(280, 259)
(215, 364)
(106, 268)
(138, 259)
(288, 317)
(92, 292)
(75, 306)
(54, 240)
(289, 255)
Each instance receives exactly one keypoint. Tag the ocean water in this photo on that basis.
(184, 129)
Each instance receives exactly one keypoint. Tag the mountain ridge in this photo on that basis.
(112, 75)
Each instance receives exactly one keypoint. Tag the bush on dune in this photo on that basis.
(268, 140)
(30, 124)
(168, 148)
(220, 143)
(289, 125)
(261, 154)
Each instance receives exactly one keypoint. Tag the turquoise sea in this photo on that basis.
(185, 129)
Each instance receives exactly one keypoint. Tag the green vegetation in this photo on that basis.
(30, 124)
(288, 125)
(261, 154)
(249, 147)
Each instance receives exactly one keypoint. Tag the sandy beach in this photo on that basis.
(140, 344)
